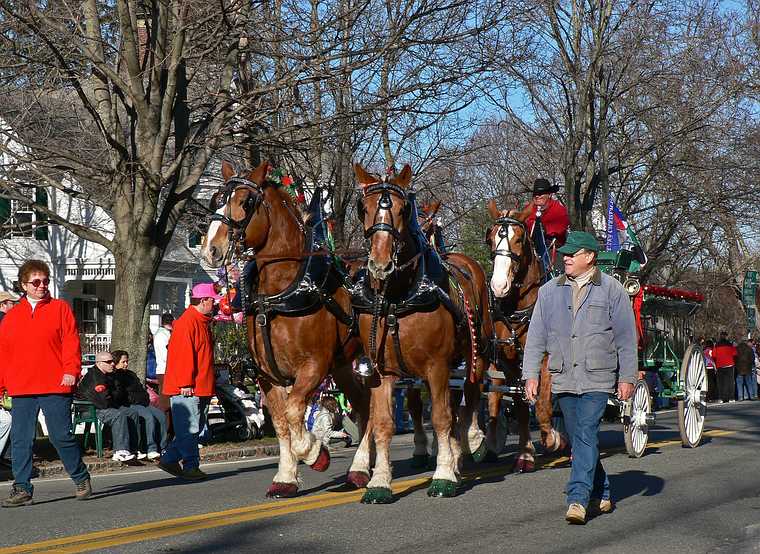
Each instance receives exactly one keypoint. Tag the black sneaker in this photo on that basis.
(18, 497)
(84, 490)
(173, 468)
(193, 474)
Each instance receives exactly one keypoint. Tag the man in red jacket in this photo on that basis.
(724, 354)
(550, 211)
(189, 382)
(40, 361)
(548, 222)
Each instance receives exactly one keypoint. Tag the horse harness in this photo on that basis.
(426, 293)
(518, 320)
(313, 287)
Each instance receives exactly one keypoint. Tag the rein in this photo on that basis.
(386, 189)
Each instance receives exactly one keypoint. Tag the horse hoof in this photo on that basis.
(419, 461)
(282, 490)
(442, 488)
(524, 466)
(323, 460)
(377, 495)
(357, 479)
(480, 454)
(491, 457)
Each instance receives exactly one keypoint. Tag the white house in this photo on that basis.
(83, 271)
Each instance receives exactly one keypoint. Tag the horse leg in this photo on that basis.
(551, 439)
(383, 427)
(494, 438)
(303, 443)
(444, 479)
(285, 482)
(472, 436)
(526, 460)
(358, 396)
(358, 474)
(414, 404)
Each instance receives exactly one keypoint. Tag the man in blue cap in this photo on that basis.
(584, 322)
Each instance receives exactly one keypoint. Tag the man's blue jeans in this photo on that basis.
(57, 410)
(582, 414)
(118, 420)
(188, 417)
(746, 387)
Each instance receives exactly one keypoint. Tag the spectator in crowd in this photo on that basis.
(746, 388)
(111, 401)
(592, 353)
(7, 301)
(160, 344)
(712, 378)
(154, 419)
(5, 427)
(189, 381)
(328, 426)
(724, 354)
(40, 361)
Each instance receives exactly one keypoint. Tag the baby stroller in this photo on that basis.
(238, 410)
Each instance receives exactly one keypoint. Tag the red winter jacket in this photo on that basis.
(190, 355)
(37, 349)
(724, 354)
(555, 220)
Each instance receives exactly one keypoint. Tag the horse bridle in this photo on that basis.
(236, 229)
(504, 223)
(386, 190)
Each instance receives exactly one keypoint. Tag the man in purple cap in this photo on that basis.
(189, 381)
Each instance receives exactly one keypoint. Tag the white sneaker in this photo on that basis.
(122, 456)
(141, 455)
(153, 455)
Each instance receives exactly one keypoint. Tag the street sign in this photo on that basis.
(749, 287)
(751, 318)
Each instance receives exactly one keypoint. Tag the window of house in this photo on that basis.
(90, 315)
(19, 219)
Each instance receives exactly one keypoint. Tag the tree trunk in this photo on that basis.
(136, 271)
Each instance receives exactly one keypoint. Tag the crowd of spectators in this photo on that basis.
(733, 368)
(41, 370)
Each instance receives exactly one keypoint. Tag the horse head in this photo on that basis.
(384, 210)
(510, 247)
(238, 215)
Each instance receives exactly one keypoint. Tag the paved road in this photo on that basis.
(671, 500)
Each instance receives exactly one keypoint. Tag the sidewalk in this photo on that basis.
(49, 466)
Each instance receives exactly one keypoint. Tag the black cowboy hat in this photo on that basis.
(542, 186)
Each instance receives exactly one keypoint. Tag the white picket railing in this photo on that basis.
(94, 343)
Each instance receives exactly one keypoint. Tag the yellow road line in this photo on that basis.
(178, 526)
(659, 444)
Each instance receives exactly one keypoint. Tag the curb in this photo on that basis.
(110, 466)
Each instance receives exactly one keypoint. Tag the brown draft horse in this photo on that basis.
(304, 347)
(515, 282)
(424, 343)
(471, 277)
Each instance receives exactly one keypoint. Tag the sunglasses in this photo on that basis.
(107, 361)
(37, 282)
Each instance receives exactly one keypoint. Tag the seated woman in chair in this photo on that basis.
(134, 394)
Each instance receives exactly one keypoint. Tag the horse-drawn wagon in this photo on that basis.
(671, 365)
